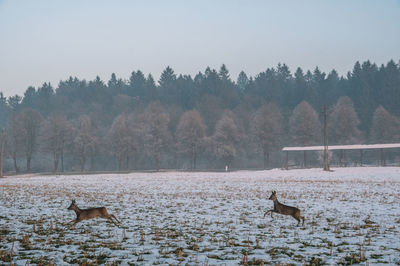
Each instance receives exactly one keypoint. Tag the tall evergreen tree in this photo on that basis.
(45, 95)
(242, 81)
(30, 99)
(4, 111)
(137, 86)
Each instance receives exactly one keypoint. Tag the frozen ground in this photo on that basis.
(352, 216)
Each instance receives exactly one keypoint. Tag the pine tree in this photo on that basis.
(242, 81)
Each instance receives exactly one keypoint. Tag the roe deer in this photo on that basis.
(85, 214)
(284, 209)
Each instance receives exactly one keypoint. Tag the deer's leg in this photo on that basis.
(74, 222)
(298, 217)
(115, 218)
(109, 217)
(270, 211)
(67, 223)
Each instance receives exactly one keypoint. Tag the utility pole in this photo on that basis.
(326, 155)
(3, 143)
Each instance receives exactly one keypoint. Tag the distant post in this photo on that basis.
(287, 160)
(326, 155)
(3, 143)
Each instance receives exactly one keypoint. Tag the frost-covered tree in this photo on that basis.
(123, 139)
(267, 130)
(85, 141)
(14, 141)
(120, 138)
(30, 121)
(2, 148)
(190, 133)
(385, 127)
(305, 127)
(226, 138)
(57, 134)
(343, 123)
(155, 131)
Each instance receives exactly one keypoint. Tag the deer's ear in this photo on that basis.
(73, 201)
(274, 192)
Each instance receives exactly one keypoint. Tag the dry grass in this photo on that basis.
(199, 220)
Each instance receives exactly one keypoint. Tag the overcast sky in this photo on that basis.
(46, 41)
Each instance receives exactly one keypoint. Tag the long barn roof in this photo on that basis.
(344, 147)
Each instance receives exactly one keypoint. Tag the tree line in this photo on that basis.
(203, 122)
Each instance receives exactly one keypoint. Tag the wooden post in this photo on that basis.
(3, 143)
(341, 158)
(287, 160)
(326, 154)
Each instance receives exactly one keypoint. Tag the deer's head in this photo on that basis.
(72, 206)
(273, 195)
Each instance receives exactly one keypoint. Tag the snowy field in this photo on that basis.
(352, 217)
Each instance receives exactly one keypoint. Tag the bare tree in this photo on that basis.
(2, 147)
(190, 133)
(226, 138)
(14, 141)
(305, 127)
(123, 139)
(342, 125)
(57, 134)
(343, 122)
(30, 121)
(85, 140)
(137, 145)
(155, 121)
(267, 129)
(385, 127)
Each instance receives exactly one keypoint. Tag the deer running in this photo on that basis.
(85, 214)
(284, 209)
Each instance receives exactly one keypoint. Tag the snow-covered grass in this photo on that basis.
(352, 216)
